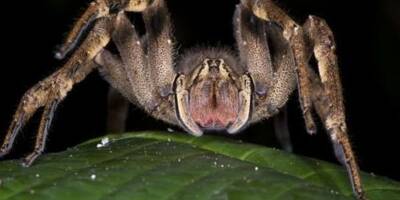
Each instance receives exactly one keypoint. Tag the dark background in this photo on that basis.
(367, 34)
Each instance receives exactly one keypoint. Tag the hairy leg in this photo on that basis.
(323, 45)
(97, 9)
(160, 59)
(293, 33)
(276, 72)
(251, 39)
(113, 71)
(54, 88)
(272, 89)
(133, 74)
(328, 99)
(41, 137)
(160, 47)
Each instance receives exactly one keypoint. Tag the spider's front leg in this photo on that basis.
(144, 71)
(49, 92)
(97, 9)
(272, 71)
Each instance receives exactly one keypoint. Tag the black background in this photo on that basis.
(367, 34)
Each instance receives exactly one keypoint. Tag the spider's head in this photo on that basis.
(213, 97)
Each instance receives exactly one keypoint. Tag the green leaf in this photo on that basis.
(176, 166)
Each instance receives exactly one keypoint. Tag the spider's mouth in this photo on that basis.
(213, 105)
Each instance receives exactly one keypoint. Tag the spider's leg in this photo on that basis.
(97, 9)
(132, 75)
(282, 130)
(133, 69)
(273, 71)
(160, 47)
(277, 69)
(113, 71)
(55, 87)
(159, 44)
(332, 110)
(292, 32)
(253, 48)
(284, 84)
(328, 99)
(41, 137)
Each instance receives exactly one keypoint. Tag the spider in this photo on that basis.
(208, 88)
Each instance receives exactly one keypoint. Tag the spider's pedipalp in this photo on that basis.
(245, 105)
(254, 51)
(160, 47)
(274, 78)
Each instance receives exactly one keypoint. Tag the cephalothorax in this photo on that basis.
(209, 88)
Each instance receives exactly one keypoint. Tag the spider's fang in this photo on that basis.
(245, 99)
(182, 106)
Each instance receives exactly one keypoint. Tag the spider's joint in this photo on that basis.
(138, 5)
(65, 87)
(102, 7)
(260, 11)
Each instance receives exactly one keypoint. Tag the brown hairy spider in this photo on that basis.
(209, 88)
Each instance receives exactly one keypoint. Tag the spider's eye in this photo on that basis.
(213, 63)
(209, 62)
(217, 62)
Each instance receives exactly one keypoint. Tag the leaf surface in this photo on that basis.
(152, 165)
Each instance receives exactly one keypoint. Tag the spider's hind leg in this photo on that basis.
(321, 92)
(328, 99)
